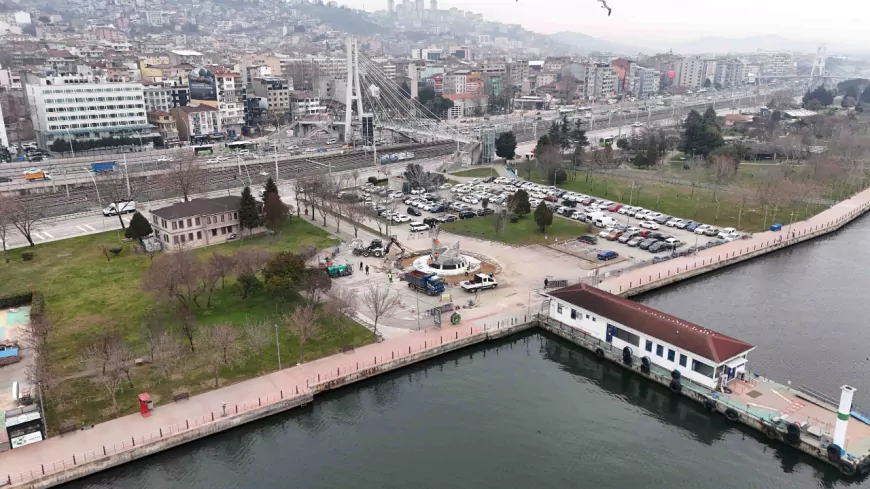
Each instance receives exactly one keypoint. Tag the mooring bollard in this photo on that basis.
(74, 459)
(161, 430)
(134, 440)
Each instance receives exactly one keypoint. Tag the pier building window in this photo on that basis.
(558, 308)
(626, 336)
(702, 368)
(648, 345)
(660, 350)
(671, 355)
(573, 313)
(682, 360)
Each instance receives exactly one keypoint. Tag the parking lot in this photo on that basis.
(635, 234)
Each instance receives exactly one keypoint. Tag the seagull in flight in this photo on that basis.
(604, 5)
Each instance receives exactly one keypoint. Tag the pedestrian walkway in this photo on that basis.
(124, 434)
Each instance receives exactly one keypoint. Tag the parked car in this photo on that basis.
(633, 242)
(658, 247)
(607, 255)
(692, 226)
(467, 214)
(711, 231)
(614, 234)
(588, 201)
(627, 236)
(614, 207)
(639, 214)
(414, 212)
(645, 244)
(648, 225)
(419, 227)
(662, 219)
(400, 218)
(626, 209)
(675, 222)
(683, 224)
(725, 232)
(674, 242)
(448, 218)
(588, 239)
(702, 229)
(485, 212)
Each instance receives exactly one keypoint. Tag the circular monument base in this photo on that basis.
(425, 264)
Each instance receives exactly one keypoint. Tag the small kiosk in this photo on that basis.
(24, 426)
(146, 405)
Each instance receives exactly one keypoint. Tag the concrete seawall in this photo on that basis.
(49, 476)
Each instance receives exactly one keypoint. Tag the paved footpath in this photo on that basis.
(53, 455)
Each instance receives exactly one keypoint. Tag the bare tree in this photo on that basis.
(115, 361)
(315, 283)
(176, 276)
(257, 336)
(324, 189)
(380, 302)
(219, 347)
(250, 261)
(113, 187)
(186, 175)
(222, 265)
(302, 322)
(24, 215)
(299, 190)
(355, 213)
(723, 169)
(167, 353)
(5, 224)
(342, 302)
(551, 164)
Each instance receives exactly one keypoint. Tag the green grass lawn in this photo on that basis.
(687, 202)
(523, 232)
(85, 294)
(477, 173)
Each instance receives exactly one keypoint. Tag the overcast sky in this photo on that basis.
(664, 21)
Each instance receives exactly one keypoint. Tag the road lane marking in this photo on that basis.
(82, 229)
(47, 234)
(90, 227)
(126, 220)
(38, 236)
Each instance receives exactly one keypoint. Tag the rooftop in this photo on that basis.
(199, 207)
(691, 337)
(185, 52)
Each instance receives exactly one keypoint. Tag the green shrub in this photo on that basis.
(16, 300)
(26, 255)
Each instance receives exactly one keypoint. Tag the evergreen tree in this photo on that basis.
(275, 212)
(269, 188)
(543, 216)
(518, 203)
(139, 227)
(506, 145)
(249, 216)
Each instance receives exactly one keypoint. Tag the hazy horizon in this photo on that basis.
(665, 22)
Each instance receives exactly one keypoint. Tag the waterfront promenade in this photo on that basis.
(62, 458)
(657, 275)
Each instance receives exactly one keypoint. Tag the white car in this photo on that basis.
(331, 141)
(703, 227)
(475, 181)
(637, 124)
(445, 186)
(400, 218)
(212, 160)
(409, 200)
(641, 214)
(725, 232)
(292, 147)
(733, 237)
(674, 222)
(625, 210)
(649, 225)
(418, 191)
(604, 233)
(310, 150)
(653, 215)
(470, 200)
(533, 203)
(163, 159)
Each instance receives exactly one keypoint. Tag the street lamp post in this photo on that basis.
(97, 188)
(71, 149)
(278, 346)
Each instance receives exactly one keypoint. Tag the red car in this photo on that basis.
(551, 198)
(614, 207)
(644, 233)
(588, 201)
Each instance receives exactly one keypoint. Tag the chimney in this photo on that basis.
(843, 415)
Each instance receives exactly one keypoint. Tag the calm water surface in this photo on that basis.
(535, 411)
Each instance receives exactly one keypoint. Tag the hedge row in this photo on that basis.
(16, 300)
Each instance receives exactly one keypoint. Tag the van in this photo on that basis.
(603, 222)
(418, 227)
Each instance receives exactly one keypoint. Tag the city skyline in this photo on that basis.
(668, 22)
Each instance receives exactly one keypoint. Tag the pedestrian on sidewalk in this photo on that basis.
(360, 265)
(546, 282)
(390, 276)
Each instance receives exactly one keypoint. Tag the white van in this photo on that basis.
(594, 216)
(419, 227)
(604, 222)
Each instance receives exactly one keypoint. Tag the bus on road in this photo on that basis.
(203, 150)
(239, 145)
(608, 141)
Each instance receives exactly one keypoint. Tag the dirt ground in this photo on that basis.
(485, 267)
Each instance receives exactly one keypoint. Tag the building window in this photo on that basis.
(189, 223)
(587, 316)
(223, 230)
(626, 336)
(648, 345)
(199, 235)
(173, 226)
(222, 217)
(573, 314)
(190, 236)
(166, 238)
(235, 215)
(682, 360)
(208, 220)
(671, 355)
(181, 224)
(197, 221)
(214, 232)
(558, 308)
(175, 239)
(660, 350)
(594, 319)
(702, 368)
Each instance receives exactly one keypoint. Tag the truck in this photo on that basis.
(342, 270)
(429, 283)
(480, 281)
(33, 175)
(120, 207)
(103, 167)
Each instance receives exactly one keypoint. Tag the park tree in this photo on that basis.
(518, 203)
(865, 95)
(24, 215)
(701, 134)
(219, 347)
(269, 188)
(315, 284)
(139, 227)
(5, 224)
(551, 164)
(256, 337)
(275, 212)
(249, 216)
(283, 274)
(543, 216)
(707, 83)
(380, 303)
(185, 175)
(821, 95)
(724, 168)
(506, 145)
(417, 177)
(622, 143)
(302, 323)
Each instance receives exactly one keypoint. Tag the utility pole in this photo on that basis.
(278, 345)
